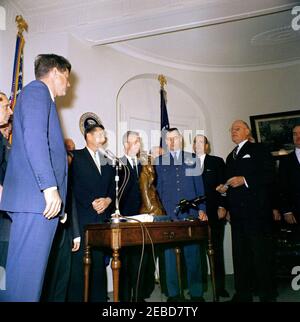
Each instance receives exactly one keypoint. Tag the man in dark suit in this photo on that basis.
(289, 179)
(94, 189)
(213, 174)
(250, 173)
(35, 183)
(130, 204)
(131, 201)
(66, 241)
(178, 178)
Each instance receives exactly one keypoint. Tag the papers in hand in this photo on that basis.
(142, 218)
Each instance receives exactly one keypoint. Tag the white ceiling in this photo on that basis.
(188, 34)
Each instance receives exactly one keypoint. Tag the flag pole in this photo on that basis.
(17, 79)
(163, 81)
(21, 25)
(164, 118)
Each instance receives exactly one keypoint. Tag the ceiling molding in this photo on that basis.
(176, 19)
(160, 60)
(105, 22)
(239, 34)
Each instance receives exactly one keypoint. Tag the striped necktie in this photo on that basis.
(235, 152)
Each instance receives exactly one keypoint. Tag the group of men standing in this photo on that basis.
(36, 187)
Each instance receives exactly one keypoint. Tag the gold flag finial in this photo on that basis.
(21, 24)
(163, 81)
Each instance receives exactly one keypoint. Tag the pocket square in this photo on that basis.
(246, 156)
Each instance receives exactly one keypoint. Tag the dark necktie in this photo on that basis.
(175, 156)
(235, 152)
(134, 166)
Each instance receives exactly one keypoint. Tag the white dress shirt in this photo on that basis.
(133, 162)
(240, 145)
(96, 158)
(297, 151)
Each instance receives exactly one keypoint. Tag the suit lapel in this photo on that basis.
(243, 150)
(91, 161)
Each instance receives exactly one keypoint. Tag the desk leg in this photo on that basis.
(87, 261)
(211, 257)
(115, 266)
(178, 266)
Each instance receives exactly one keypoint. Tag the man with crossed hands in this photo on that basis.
(250, 172)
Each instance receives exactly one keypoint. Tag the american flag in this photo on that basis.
(164, 118)
(17, 80)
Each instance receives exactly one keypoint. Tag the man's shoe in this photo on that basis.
(223, 293)
(197, 299)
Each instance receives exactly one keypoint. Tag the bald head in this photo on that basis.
(240, 131)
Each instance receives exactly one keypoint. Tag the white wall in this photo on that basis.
(99, 73)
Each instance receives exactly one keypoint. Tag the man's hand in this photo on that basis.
(202, 215)
(222, 188)
(101, 204)
(76, 246)
(221, 212)
(53, 203)
(290, 218)
(235, 182)
(276, 215)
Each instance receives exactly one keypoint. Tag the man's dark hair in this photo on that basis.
(92, 128)
(45, 62)
(172, 129)
(296, 125)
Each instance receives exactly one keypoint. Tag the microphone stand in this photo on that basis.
(115, 218)
(117, 163)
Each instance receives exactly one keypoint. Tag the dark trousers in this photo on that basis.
(131, 280)
(58, 268)
(98, 279)
(217, 238)
(252, 258)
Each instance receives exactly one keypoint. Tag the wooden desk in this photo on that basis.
(119, 235)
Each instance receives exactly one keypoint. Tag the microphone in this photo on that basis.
(111, 155)
(184, 204)
(108, 154)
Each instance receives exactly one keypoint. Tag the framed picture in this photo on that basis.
(275, 130)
